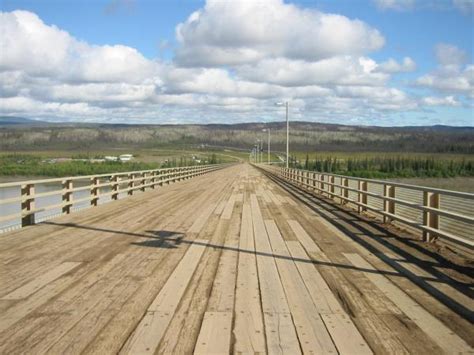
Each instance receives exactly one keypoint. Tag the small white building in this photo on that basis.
(125, 157)
(110, 158)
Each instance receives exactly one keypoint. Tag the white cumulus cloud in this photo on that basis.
(392, 66)
(233, 60)
(241, 31)
(398, 5)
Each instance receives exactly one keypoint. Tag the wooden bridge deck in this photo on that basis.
(231, 261)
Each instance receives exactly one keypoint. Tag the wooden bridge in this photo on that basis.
(236, 260)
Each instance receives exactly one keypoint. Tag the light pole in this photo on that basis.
(259, 152)
(268, 144)
(287, 131)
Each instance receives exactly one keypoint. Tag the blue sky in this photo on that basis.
(401, 62)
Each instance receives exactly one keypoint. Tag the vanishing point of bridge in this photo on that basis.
(233, 261)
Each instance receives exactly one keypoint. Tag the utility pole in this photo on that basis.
(287, 136)
(268, 144)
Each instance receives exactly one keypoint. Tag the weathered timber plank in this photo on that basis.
(248, 329)
(214, 337)
(150, 330)
(41, 281)
(438, 331)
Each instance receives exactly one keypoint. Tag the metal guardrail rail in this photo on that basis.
(437, 213)
(91, 187)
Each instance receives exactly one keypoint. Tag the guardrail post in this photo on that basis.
(430, 219)
(27, 204)
(160, 177)
(131, 184)
(115, 187)
(153, 179)
(362, 196)
(322, 186)
(388, 206)
(95, 191)
(67, 196)
(331, 186)
(142, 181)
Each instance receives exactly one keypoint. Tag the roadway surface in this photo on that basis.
(231, 261)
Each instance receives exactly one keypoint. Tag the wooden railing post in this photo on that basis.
(115, 187)
(94, 191)
(430, 219)
(67, 196)
(344, 190)
(362, 198)
(143, 181)
(388, 206)
(341, 190)
(153, 179)
(331, 186)
(160, 177)
(131, 183)
(27, 204)
(322, 186)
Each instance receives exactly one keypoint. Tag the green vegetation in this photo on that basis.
(382, 167)
(34, 165)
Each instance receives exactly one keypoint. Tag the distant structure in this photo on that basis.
(125, 157)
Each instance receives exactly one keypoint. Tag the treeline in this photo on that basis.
(389, 167)
(304, 136)
(28, 165)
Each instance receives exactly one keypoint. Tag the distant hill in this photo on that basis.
(9, 120)
(20, 133)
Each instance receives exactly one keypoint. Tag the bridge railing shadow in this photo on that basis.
(173, 239)
(340, 217)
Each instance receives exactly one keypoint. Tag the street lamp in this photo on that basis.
(268, 144)
(287, 132)
(258, 151)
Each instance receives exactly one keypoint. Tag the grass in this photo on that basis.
(38, 163)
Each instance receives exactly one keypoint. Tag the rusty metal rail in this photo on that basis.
(437, 213)
(91, 187)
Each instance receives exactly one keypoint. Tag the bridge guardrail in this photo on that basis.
(437, 213)
(90, 188)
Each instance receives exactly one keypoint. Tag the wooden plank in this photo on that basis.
(280, 333)
(248, 328)
(274, 199)
(346, 336)
(151, 329)
(216, 329)
(215, 334)
(41, 281)
(229, 207)
(202, 219)
(273, 296)
(445, 288)
(279, 328)
(312, 333)
(323, 298)
(434, 328)
(289, 200)
(307, 242)
(223, 290)
(220, 207)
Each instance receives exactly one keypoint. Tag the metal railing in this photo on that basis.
(437, 213)
(63, 195)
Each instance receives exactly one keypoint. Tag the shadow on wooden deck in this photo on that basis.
(342, 215)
